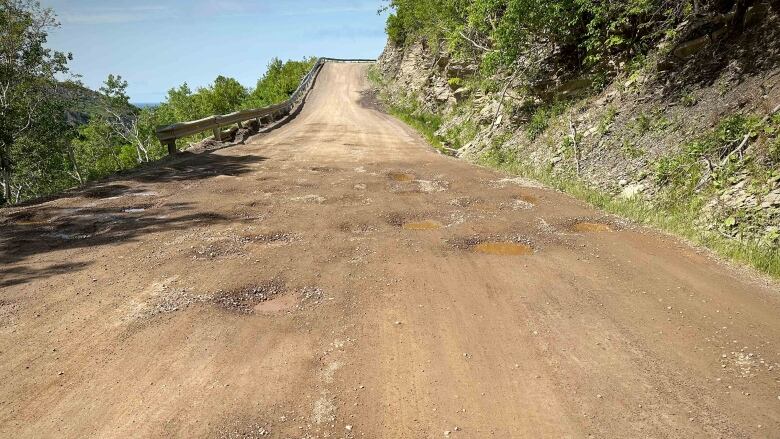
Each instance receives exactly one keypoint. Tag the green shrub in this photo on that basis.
(541, 117)
(599, 35)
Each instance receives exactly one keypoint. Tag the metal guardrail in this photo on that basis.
(168, 134)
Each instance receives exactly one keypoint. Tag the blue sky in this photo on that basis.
(156, 45)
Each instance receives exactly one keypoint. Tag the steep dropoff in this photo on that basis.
(694, 132)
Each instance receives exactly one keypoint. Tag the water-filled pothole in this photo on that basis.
(503, 248)
(589, 227)
(401, 176)
(422, 225)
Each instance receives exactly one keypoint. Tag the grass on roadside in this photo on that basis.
(408, 111)
(425, 123)
(680, 221)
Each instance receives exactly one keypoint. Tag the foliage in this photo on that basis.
(593, 34)
(540, 118)
(679, 218)
(27, 74)
(45, 149)
(424, 122)
(682, 171)
(605, 123)
(280, 80)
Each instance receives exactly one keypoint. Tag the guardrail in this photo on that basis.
(168, 134)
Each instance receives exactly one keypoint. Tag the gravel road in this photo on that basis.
(338, 278)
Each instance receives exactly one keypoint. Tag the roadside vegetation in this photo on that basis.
(55, 134)
(687, 186)
(603, 38)
(581, 95)
(678, 210)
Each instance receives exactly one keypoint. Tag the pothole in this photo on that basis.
(280, 303)
(396, 219)
(270, 238)
(422, 225)
(427, 186)
(591, 227)
(356, 228)
(494, 245)
(237, 430)
(309, 199)
(219, 248)
(503, 248)
(526, 198)
(412, 220)
(466, 202)
(245, 300)
(350, 200)
(324, 169)
(401, 176)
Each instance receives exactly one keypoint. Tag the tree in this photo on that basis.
(280, 80)
(122, 124)
(225, 95)
(27, 73)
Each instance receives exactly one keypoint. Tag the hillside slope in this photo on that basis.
(689, 140)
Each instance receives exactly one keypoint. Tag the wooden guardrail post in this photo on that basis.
(218, 134)
(171, 144)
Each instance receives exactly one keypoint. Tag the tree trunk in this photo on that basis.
(738, 22)
(5, 164)
(74, 163)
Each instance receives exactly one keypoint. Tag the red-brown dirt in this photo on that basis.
(271, 290)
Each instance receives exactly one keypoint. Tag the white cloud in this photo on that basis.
(114, 14)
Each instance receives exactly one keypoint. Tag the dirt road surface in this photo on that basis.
(338, 278)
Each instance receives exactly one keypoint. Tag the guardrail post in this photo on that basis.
(218, 134)
(171, 144)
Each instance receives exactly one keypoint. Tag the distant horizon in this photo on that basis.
(156, 46)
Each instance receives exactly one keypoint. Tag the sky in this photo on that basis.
(157, 45)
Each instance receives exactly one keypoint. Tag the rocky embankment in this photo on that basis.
(697, 125)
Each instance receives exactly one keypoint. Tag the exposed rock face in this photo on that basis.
(419, 75)
(623, 130)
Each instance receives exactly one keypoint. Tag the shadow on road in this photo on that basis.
(20, 274)
(45, 228)
(189, 166)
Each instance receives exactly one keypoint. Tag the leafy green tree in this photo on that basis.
(280, 80)
(43, 159)
(27, 74)
(43, 149)
(224, 96)
(590, 35)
